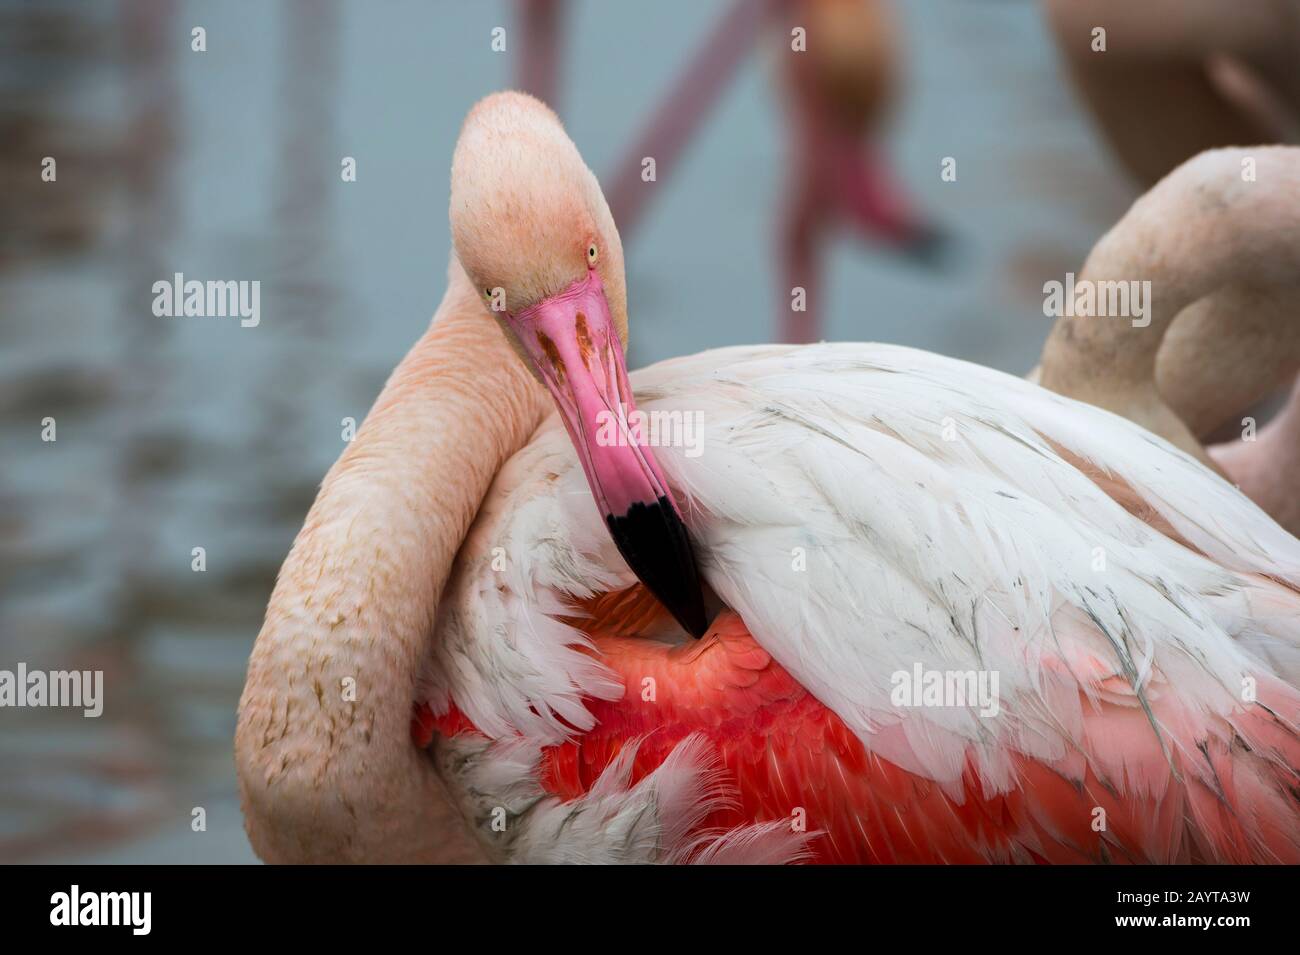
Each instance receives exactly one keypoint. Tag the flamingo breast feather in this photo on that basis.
(874, 515)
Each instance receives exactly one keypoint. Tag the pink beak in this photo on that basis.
(571, 341)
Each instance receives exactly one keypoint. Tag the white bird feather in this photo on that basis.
(946, 519)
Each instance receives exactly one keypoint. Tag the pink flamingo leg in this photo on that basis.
(803, 223)
(539, 62)
(684, 108)
(871, 199)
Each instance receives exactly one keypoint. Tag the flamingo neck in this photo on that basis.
(1206, 226)
(325, 763)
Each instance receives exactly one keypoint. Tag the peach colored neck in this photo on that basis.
(1221, 256)
(328, 777)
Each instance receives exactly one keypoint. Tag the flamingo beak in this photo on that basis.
(572, 344)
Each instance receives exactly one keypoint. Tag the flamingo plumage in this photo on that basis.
(857, 512)
(1120, 687)
(950, 561)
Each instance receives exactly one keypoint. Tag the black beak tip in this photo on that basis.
(657, 546)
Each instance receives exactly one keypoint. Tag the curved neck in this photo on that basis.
(327, 769)
(1207, 225)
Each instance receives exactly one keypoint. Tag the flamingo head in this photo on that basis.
(533, 233)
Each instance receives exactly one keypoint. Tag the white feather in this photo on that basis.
(941, 524)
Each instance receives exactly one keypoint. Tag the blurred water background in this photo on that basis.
(177, 433)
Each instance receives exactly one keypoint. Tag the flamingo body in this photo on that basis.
(558, 691)
(855, 512)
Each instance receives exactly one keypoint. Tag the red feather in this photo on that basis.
(791, 758)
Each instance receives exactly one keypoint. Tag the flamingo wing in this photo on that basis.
(1115, 795)
(871, 512)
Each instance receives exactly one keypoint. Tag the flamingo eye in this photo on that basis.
(592, 254)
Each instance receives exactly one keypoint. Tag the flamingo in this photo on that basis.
(1178, 77)
(1220, 253)
(858, 512)
(1160, 96)
(837, 93)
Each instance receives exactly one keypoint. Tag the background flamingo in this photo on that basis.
(1220, 253)
(1223, 77)
(1118, 690)
(837, 91)
(1177, 78)
(837, 98)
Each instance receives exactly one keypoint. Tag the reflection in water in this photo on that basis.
(70, 590)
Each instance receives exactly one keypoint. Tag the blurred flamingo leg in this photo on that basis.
(803, 222)
(680, 113)
(539, 62)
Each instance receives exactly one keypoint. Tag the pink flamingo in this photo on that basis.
(837, 91)
(1221, 335)
(842, 544)
(1163, 102)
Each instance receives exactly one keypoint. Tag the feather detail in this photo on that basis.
(867, 510)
